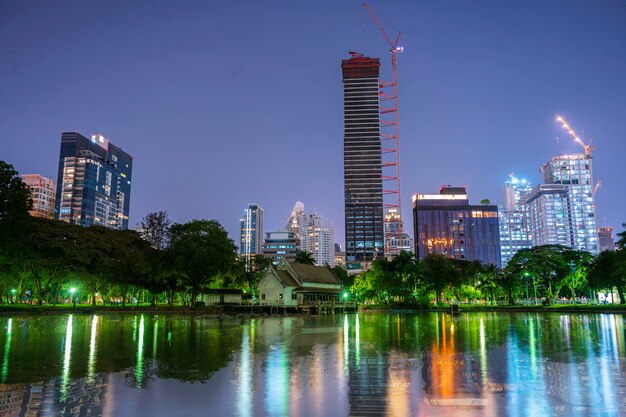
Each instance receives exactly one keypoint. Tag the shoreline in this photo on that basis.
(226, 312)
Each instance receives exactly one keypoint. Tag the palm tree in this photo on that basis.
(304, 257)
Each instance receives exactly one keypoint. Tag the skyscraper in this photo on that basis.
(94, 180)
(562, 210)
(396, 240)
(295, 218)
(514, 224)
(251, 234)
(448, 225)
(363, 197)
(42, 191)
(317, 236)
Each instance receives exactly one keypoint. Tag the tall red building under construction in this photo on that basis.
(363, 180)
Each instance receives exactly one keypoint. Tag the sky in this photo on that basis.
(223, 103)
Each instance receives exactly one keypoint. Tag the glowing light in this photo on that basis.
(439, 241)
(91, 366)
(244, 392)
(7, 351)
(139, 367)
(67, 357)
(72, 290)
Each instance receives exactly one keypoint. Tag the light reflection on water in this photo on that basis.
(480, 364)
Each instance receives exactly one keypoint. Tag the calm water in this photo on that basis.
(481, 364)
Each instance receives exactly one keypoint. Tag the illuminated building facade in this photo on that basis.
(94, 180)
(396, 240)
(280, 245)
(562, 210)
(42, 191)
(605, 238)
(514, 223)
(448, 225)
(363, 197)
(317, 236)
(295, 218)
(251, 236)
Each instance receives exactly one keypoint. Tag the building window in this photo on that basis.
(294, 296)
(280, 296)
(262, 296)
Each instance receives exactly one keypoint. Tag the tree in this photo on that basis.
(438, 273)
(201, 250)
(155, 229)
(15, 200)
(304, 257)
(608, 270)
(621, 242)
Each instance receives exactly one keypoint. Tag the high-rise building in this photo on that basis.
(42, 191)
(562, 210)
(251, 225)
(363, 197)
(295, 218)
(280, 245)
(396, 240)
(514, 224)
(340, 256)
(94, 180)
(317, 236)
(605, 238)
(448, 225)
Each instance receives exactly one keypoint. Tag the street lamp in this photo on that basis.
(72, 291)
(526, 279)
(12, 295)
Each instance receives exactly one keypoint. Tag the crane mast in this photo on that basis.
(391, 138)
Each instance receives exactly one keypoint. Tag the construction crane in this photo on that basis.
(392, 139)
(587, 147)
(595, 189)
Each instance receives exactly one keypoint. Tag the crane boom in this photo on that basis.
(392, 45)
(587, 147)
(595, 189)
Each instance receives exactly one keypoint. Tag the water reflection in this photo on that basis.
(369, 364)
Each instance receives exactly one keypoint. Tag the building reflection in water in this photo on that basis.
(434, 364)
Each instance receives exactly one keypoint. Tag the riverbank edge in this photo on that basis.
(218, 312)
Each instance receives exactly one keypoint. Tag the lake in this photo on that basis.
(430, 364)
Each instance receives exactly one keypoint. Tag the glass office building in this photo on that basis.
(447, 224)
(251, 238)
(94, 180)
(363, 197)
(562, 210)
(514, 223)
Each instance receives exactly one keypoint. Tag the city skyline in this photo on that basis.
(513, 129)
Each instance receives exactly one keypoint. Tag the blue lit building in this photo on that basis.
(251, 226)
(94, 181)
(447, 224)
(515, 233)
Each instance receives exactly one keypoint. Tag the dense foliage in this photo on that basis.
(549, 271)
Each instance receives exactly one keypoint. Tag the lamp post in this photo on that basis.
(11, 300)
(72, 291)
(526, 279)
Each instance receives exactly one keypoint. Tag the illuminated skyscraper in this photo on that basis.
(514, 223)
(605, 238)
(395, 238)
(42, 191)
(446, 224)
(363, 198)
(94, 179)
(251, 225)
(317, 236)
(562, 210)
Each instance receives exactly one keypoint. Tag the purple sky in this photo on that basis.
(225, 103)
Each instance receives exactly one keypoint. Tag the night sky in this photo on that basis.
(226, 103)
